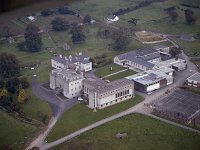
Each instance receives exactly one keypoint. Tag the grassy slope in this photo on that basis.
(144, 133)
(34, 105)
(81, 116)
(13, 131)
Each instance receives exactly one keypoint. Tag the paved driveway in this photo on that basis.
(57, 106)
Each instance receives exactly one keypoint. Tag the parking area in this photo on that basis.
(181, 105)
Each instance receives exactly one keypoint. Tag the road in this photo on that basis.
(58, 108)
(180, 78)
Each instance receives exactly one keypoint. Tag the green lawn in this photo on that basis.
(121, 75)
(143, 133)
(14, 132)
(105, 70)
(81, 116)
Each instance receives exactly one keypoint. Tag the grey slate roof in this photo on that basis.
(73, 59)
(195, 77)
(141, 56)
(112, 85)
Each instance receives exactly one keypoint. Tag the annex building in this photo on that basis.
(141, 59)
(150, 80)
(101, 94)
(194, 80)
(69, 82)
(79, 61)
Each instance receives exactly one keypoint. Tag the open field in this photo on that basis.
(145, 36)
(14, 132)
(106, 70)
(154, 18)
(121, 75)
(81, 116)
(142, 133)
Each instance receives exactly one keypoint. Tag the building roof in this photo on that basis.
(111, 17)
(82, 58)
(157, 47)
(112, 85)
(148, 77)
(195, 77)
(100, 86)
(68, 74)
(141, 56)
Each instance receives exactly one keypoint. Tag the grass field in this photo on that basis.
(81, 116)
(14, 132)
(143, 133)
(105, 70)
(121, 75)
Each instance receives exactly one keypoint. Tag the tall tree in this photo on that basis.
(60, 24)
(9, 66)
(173, 15)
(21, 96)
(33, 40)
(175, 51)
(120, 40)
(77, 34)
(87, 19)
(189, 16)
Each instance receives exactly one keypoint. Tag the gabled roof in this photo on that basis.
(141, 56)
(82, 58)
(111, 17)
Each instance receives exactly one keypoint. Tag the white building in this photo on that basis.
(176, 64)
(150, 80)
(162, 48)
(67, 81)
(101, 94)
(79, 61)
(113, 18)
(194, 80)
(31, 18)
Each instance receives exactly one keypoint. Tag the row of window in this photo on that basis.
(116, 100)
(121, 93)
(153, 83)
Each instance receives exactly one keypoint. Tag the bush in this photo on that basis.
(46, 12)
(24, 83)
(65, 10)
(60, 24)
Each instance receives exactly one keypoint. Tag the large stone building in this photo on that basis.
(79, 61)
(150, 80)
(67, 81)
(194, 80)
(101, 94)
(141, 59)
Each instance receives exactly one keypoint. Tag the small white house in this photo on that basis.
(113, 18)
(31, 18)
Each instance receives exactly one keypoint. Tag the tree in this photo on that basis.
(46, 12)
(175, 51)
(33, 40)
(3, 93)
(9, 66)
(87, 19)
(189, 16)
(64, 10)
(24, 83)
(60, 24)
(21, 96)
(173, 15)
(120, 40)
(77, 34)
